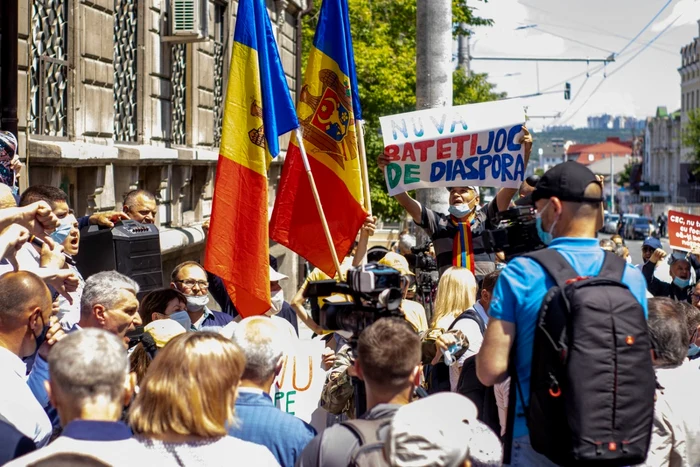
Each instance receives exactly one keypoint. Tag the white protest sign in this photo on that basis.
(476, 144)
(297, 388)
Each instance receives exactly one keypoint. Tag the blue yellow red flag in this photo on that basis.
(258, 110)
(327, 109)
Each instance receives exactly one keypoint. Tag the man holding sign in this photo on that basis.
(459, 148)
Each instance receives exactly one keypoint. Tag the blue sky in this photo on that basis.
(587, 29)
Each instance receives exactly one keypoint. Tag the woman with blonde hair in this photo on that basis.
(186, 403)
(456, 293)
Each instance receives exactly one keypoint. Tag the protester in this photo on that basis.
(569, 200)
(162, 304)
(140, 205)
(186, 403)
(280, 308)
(153, 338)
(618, 240)
(109, 302)
(67, 235)
(456, 294)
(90, 385)
(26, 327)
(9, 161)
(623, 252)
(650, 245)
(190, 278)
(692, 320)
(662, 221)
(453, 438)
(412, 310)
(257, 418)
(464, 221)
(679, 267)
(528, 186)
(675, 439)
(607, 245)
(388, 361)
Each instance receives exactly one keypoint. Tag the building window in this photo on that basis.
(178, 80)
(125, 68)
(219, 52)
(48, 73)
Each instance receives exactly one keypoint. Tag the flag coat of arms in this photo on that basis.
(258, 109)
(327, 109)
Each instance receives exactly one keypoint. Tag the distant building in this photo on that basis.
(588, 153)
(662, 156)
(609, 122)
(689, 70)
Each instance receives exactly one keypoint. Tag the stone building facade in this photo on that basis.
(107, 103)
(662, 155)
(690, 81)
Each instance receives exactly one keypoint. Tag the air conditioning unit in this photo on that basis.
(186, 21)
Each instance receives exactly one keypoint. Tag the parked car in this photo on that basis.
(639, 227)
(626, 219)
(610, 223)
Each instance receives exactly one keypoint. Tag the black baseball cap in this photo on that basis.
(568, 182)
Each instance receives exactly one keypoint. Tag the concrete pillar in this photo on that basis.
(433, 73)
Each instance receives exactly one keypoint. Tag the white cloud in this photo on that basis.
(687, 12)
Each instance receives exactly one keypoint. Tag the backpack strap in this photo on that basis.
(613, 267)
(554, 264)
(366, 430)
(470, 314)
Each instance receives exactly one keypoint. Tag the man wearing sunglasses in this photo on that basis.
(190, 278)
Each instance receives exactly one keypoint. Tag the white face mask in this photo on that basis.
(277, 303)
(183, 318)
(196, 302)
(462, 210)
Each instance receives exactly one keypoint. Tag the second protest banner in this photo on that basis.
(476, 144)
(683, 231)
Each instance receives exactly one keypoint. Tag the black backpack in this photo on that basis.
(592, 383)
(469, 385)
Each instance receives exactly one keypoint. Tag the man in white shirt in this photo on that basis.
(90, 384)
(675, 438)
(26, 325)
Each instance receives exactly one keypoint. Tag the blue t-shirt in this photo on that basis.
(521, 288)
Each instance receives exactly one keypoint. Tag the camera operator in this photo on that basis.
(569, 200)
(465, 220)
(388, 361)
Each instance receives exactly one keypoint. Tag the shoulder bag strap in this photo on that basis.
(555, 265)
(613, 267)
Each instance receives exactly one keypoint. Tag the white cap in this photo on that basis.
(276, 276)
(441, 430)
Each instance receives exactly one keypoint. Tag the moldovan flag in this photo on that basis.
(327, 109)
(258, 109)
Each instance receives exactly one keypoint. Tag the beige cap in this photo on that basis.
(163, 330)
(396, 261)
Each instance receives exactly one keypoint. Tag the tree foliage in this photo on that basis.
(384, 39)
(691, 138)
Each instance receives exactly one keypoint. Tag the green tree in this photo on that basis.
(623, 177)
(691, 138)
(384, 38)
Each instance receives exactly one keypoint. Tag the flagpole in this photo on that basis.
(319, 207)
(360, 131)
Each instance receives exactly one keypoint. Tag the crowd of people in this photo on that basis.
(97, 372)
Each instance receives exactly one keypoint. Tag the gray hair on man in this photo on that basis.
(103, 289)
(406, 242)
(88, 365)
(262, 344)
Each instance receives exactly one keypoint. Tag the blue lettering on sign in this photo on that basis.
(473, 173)
(416, 131)
(439, 126)
(500, 144)
(512, 145)
(459, 170)
(401, 128)
(506, 163)
(484, 163)
(458, 119)
(519, 172)
(481, 151)
(437, 171)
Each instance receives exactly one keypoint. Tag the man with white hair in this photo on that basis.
(259, 421)
(109, 302)
(90, 385)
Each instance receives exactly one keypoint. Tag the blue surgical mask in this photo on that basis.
(693, 350)
(183, 318)
(546, 237)
(62, 231)
(682, 283)
(461, 210)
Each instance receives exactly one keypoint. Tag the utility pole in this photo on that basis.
(433, 74)
(463, 52)
(8, 65)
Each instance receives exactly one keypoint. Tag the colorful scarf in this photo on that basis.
(462, 251)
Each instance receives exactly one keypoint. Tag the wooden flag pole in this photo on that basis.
(360, 131)
(319, 207)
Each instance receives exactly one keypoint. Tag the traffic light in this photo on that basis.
(567, 91)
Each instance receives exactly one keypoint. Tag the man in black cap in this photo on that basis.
(569, 213)
(457, 236)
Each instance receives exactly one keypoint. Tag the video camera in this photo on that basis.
(375, 291)
(515, 232)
